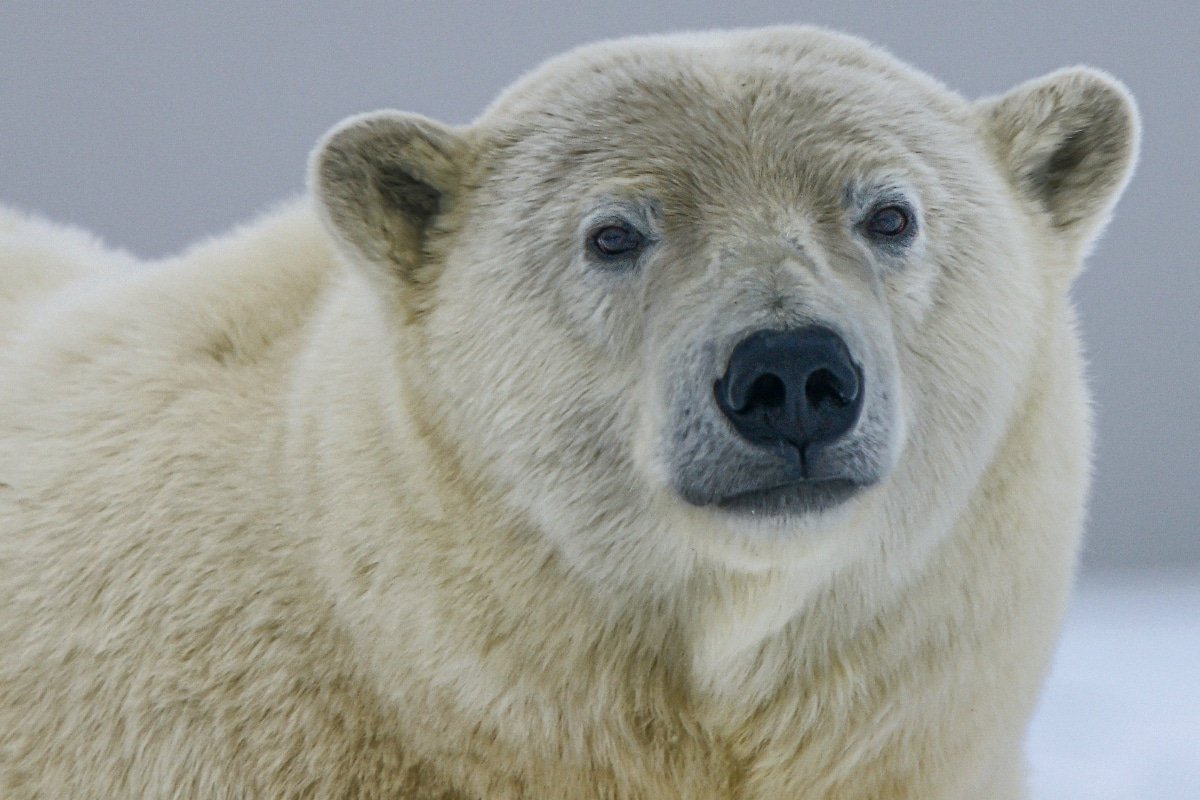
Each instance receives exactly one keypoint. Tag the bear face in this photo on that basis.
(759, 292)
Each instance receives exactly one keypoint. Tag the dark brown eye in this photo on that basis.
(614, 241)
(889, 222)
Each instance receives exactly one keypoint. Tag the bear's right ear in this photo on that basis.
(380, 179)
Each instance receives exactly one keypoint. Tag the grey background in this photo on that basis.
(154, 124)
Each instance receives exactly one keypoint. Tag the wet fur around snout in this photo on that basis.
(409, 488)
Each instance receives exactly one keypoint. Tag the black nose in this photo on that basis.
(799, 387)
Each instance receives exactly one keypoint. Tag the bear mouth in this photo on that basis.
(795, 497)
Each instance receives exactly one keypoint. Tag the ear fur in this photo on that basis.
(380, 179)
(1068, 142)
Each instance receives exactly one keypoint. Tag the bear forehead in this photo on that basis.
(718, 62)
(700, 108)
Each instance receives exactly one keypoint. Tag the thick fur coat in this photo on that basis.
(407, 490)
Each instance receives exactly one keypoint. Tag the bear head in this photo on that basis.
(739, 296)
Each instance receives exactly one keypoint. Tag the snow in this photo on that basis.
(1119, 717)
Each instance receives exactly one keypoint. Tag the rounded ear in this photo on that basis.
(1068, 142)
(380, 179)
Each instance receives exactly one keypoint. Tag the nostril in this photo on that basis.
(767, 391)
(823, 387)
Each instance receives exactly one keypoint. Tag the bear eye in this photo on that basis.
(615, 240)
(890, 222)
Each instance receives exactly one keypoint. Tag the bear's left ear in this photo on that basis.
(1068, 142)
(381, 179)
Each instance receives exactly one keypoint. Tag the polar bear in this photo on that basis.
(704, 421)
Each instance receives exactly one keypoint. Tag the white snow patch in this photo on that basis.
(1119, 717)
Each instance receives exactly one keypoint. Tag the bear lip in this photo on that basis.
(801, 496)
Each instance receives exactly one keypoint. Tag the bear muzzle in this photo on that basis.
(791, 401)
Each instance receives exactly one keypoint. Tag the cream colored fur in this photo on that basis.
(377, 507)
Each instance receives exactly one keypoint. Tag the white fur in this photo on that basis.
(370, 498)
